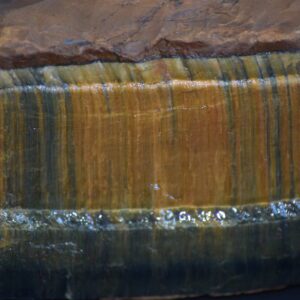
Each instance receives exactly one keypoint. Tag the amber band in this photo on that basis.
(166, 177)
(163, 133)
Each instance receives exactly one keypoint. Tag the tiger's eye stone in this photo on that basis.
(165, 133)
(147, 150)
(168, 177)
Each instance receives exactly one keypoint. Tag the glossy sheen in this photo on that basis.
(171, 177)
(51, 254)
(164, 133)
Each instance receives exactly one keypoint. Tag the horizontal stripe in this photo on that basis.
(130, 254)
(168, 219)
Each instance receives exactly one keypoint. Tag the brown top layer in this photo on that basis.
(41, 32)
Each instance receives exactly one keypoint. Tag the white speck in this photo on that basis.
(170, 197)
(59, 220)
(155, 186)
(221, 215)
(184, 216)
(208, 215)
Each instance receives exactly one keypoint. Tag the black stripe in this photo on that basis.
(290, 130)
(267, 121)
(231, 131)
(276, 107)
(51, 149)
(32, 163)
(9, 142)
(243, 75)
(187, 69)
(71, 161)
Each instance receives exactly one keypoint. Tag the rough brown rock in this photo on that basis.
(45, 32)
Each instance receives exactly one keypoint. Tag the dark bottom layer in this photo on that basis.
(143, 281)
(80, 255)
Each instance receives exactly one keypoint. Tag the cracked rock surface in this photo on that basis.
(36, 33)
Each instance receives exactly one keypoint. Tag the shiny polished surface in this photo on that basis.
(164, 133)
(75, 254)
(171, 177)
(32, 219)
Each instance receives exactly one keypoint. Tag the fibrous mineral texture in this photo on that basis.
(148, 148)
(174, 176)
(163, 133)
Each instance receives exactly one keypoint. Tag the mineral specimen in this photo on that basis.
(148, 148)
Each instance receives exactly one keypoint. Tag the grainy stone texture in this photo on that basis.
(45, 32)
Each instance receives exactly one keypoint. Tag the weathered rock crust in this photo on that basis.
(43, 32)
